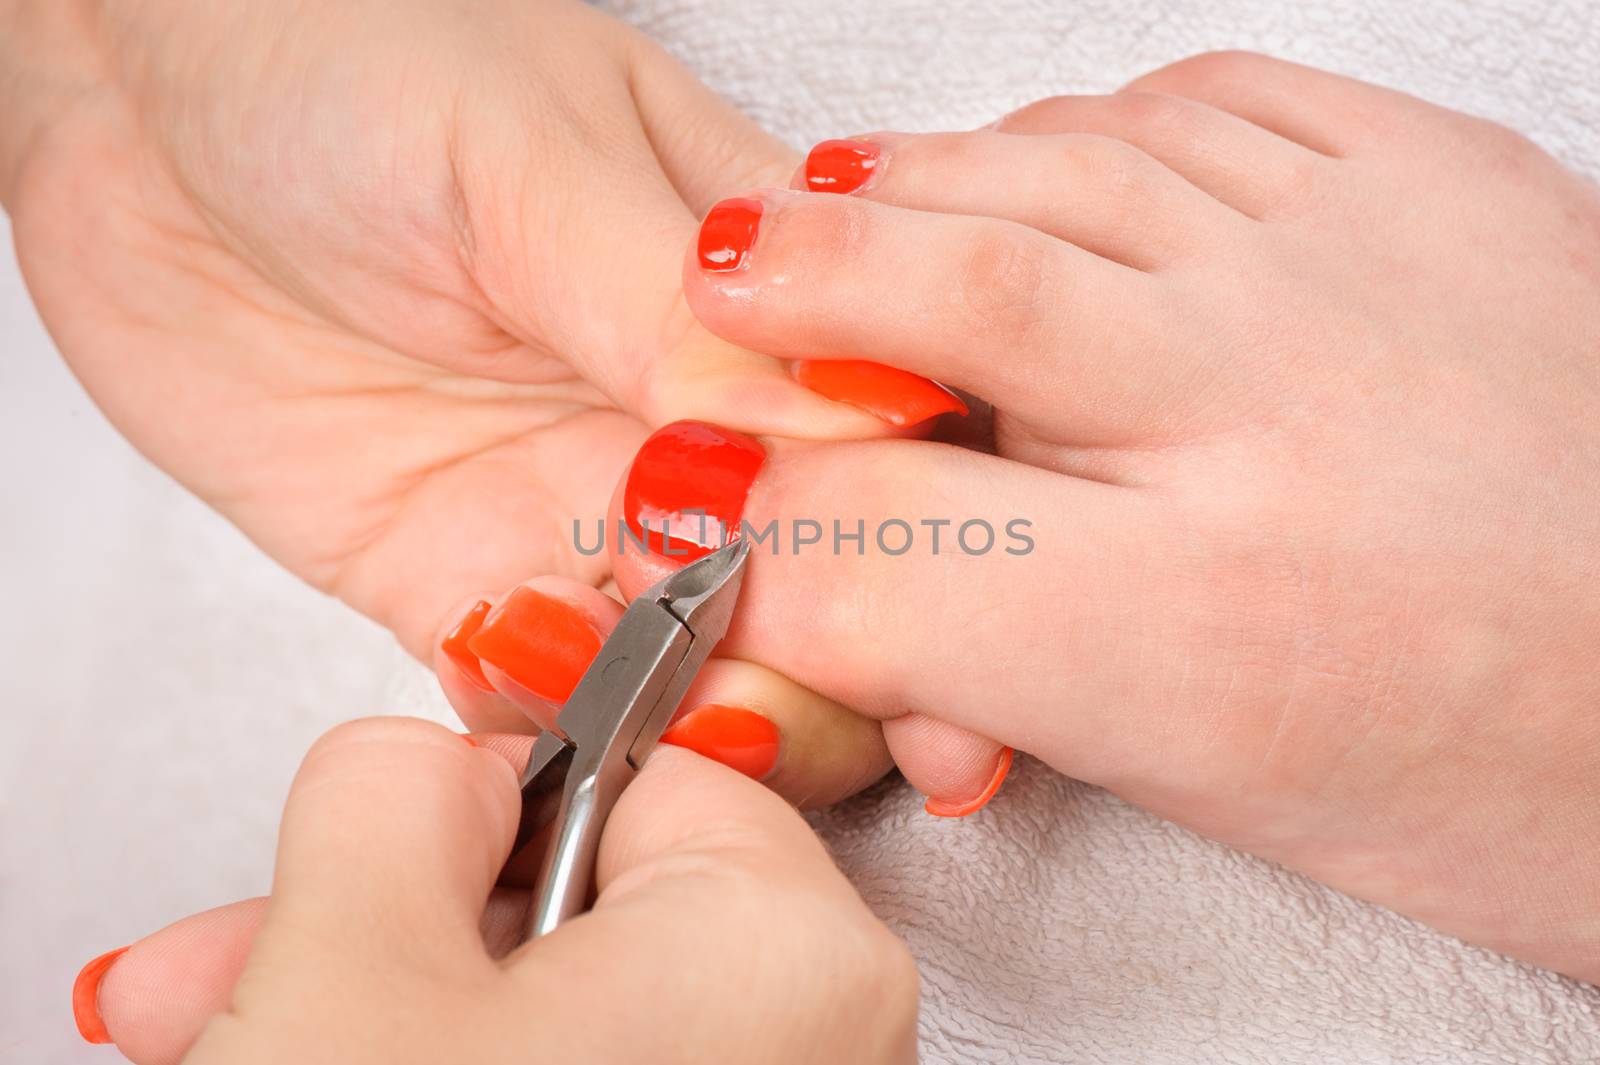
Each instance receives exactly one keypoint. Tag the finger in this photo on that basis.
(1328, 113)
(392, 836)
(605, 297)
(958, 770)
(807, 748)
(1100, 193)
(1251, 169)
(157, 997)
(699, 862)
(1044, 330)
(514, 747)
(510, 660)
(159, 994)
(1035, 576)
(708, 148)
(462, 677)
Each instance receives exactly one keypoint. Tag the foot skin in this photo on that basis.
(1300, 377)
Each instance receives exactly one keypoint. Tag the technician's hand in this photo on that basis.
(393, 285)
(396, 287)
(722, 932)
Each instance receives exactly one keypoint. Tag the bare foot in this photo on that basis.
(1297, 380)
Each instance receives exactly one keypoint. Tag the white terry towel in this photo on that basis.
(1059, 925)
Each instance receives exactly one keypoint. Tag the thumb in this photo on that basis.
(708, 148)
(728, 935)
(581, 259)
(391, 823)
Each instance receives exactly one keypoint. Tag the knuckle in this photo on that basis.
(1512, 150)
(898, 987)
(1301, 185)
(999, 282)
(726, 861)
(1208, 68)
(860, 972)
(1036, 116)
(881, 968)
(898, 976)
(1113, 165)
(1127, 183)
(1155, 114)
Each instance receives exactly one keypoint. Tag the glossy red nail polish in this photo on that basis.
(940, 808)
(841, 166)
(686, 489)
(739, 739)
(541, 642)
(727, 234)
(86, 996)
(455, 646)
(898, 397)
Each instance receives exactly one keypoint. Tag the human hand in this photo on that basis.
(395, 286)
(722, 931)
(398, 291)
(1295, 379)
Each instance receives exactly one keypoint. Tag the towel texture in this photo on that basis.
(1059, 925)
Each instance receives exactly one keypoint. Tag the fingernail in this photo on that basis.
(542, 643)
(86, 997)
(841, 166)
(940, 808)
(727, 234)
(455, 646)
(898, 397)
(739, 739)
(686, 489)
